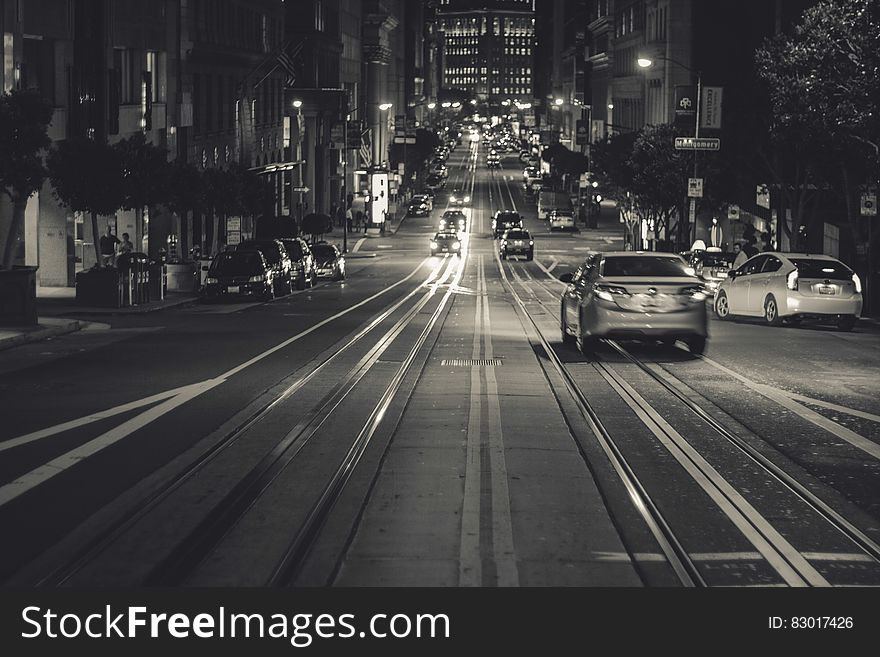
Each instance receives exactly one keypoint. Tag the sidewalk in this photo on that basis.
(58, 314)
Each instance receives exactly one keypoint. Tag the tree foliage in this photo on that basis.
(24, 123)
(145, 172)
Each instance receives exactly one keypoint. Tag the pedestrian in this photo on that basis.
(340, 216)
(108, 244)
(741, 255)
(750, 247)
(348, 219)
(125, 246)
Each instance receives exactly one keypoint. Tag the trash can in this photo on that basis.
(158, 278)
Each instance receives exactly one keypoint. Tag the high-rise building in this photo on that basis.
(487, 52)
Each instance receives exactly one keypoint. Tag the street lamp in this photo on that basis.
(647, 62)
(299, 155)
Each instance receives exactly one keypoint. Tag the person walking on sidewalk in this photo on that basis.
(108, 244)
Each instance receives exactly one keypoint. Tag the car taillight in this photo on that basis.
(696, 292)
(456, 245)
(211, 280)
(791, 280)
(433, 245)
(857, 282)
(257, 279)
(467, 199)
(608, 292)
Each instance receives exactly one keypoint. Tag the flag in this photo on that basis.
(366, 151)
(285, 61)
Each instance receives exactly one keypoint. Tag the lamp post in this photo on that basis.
(298, 105)
(647, 62)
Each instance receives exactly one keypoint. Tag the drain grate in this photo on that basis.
(471, 362)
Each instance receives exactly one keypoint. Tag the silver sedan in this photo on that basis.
(634, 295)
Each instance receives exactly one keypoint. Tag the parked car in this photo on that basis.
(243, 273)
(277, 257)
(505, 220)
(303, 261)
(517, 242)
(561, 219)
(453, 220)
(417, 208)
(458, 197)
(634, 295)
(711, 265)
(446, 241)
(427, 199)
(791, 286)
(434, 182)
(329, 261)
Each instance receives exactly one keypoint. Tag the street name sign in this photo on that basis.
(697, 144)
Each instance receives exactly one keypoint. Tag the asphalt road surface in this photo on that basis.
(422, 423)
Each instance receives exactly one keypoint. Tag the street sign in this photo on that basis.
(301, 190)
(869, 205)
(697, 144)
(582, 136)
(733, 211)
(695, 188)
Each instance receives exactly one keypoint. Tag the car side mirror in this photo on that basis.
(733, 273)
(567, 277)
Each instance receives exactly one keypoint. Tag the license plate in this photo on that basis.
(233, 289)
(826, 289)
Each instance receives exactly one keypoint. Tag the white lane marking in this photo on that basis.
(782, 398)
(502, 526)
(385, 246)
(185, 390)
(470, 563)
(779, 553)
(43, 473)
(839, 556)
(833, 407)
(553, 263)
(359, 244)
(549, 274)
(94, 417)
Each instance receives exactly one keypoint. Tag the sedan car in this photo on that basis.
(711, 265)
(446, 242)
(493, 162)
(329, 261)
(435, 182)
(302, 260)
(517, 242)
(561, 220)
(453, 220)
(791, 286)
(634, 295)
(279, 260)
(458, 197)
(505, 220)
(417, 208)
(240, 274)
(427, 199)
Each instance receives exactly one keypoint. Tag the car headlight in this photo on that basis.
(211, 281)
(531, 242)
(257, 279)
(467, 199)
(456, 245)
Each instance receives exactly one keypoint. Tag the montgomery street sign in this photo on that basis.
(697, 144)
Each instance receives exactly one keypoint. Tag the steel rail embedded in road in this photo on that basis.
(115, 529)
(672, 549)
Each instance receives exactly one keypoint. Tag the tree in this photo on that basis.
(87, 176)
(317, 224)
(824, 88)
(24, 139)
(144, 175)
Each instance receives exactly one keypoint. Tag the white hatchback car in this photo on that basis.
(791, 286)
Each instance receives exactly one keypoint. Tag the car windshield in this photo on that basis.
(237, 264)
(269, 249)
(294, 250)
(830, 269)
(324, 252)
(643, 266)
(517, 235)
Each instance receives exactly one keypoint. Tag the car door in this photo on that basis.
(756, 278)
(738, 288)
(760, 283)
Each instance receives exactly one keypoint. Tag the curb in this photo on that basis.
(131, 310)
(26, 337)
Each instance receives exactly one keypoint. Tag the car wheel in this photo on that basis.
(301, 282)
(313, 279)
(771, 311)
(697, 344)
(567, 338)
(722, 306)
(846, 322)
